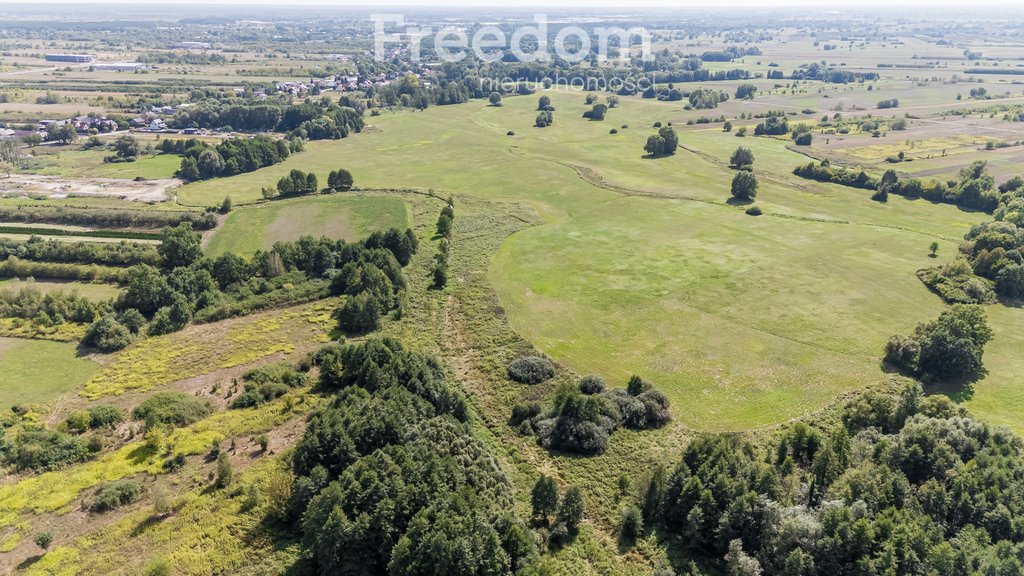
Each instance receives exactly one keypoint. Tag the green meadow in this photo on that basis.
(347, 216)
(642, 266)
(40, 372)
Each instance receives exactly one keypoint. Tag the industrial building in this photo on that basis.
(78, 58)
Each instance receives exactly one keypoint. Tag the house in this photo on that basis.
(157, 125)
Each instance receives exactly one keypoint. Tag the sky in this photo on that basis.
(540, 4)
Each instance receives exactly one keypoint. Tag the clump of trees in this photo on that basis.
(394, 448)
(889, 103)
(664, 143)
(775, 124)
(582, 417)
(340, 180)
(973, 189)
(298, 183)
(897, 480)
(948, 348)
(202, 160)
(597, 112)
(544, 119)
(268, 383)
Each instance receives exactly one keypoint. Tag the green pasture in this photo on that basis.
(90, 164)
(343, 216)
(643, 267)
(39, 372)
(84, 289)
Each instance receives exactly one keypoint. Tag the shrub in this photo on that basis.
(524, 411)
(631, 526)
(174, 408)
(531, 370)
(754, 211)
(116, 494)
(107, 335)
(43, 540)
(41, 450)
(592, 384)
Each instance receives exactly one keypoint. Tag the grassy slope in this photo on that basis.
(342, 216)
(39, 372)
(643, 268)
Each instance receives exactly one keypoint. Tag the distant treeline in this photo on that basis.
(320, 120)
(126, 234)
(181, 58)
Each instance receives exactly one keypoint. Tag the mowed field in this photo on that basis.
(344, 216)
(40, 372)
(643, 267)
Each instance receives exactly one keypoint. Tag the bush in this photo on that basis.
(173, 408)
(40, 449)
(107, 335)
(43, 540)
(116, 494)
(754, 211)
(631, 526)
(592, 384)
(524, 411)
(531, 370)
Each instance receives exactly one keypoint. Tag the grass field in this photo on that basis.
(348, 216)
(84, 289)
(90, 164)
(644, 268)
(27, 379)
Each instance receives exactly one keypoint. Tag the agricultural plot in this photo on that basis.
(343, 216)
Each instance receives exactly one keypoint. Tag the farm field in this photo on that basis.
(343, 216)
(40, 372)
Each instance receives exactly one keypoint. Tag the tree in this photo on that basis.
(744, 185)
(61, 133)
(189, 170)
(33, 140)
(340, 180)
(162, 502)
(543, 103)
(544, 497)
(494, 99)
(738, 563)
(179, 246)
(742, 158)
(745, 91)
(570, 513)
(126, 147)
(663, 143)
(544, 119)
(933, 249)
(224, 471)
(147, 290)
(210, 164)
(727, 127)
(635, 386)
(225, 206)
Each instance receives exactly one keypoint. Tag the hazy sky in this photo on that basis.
(541, 4)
